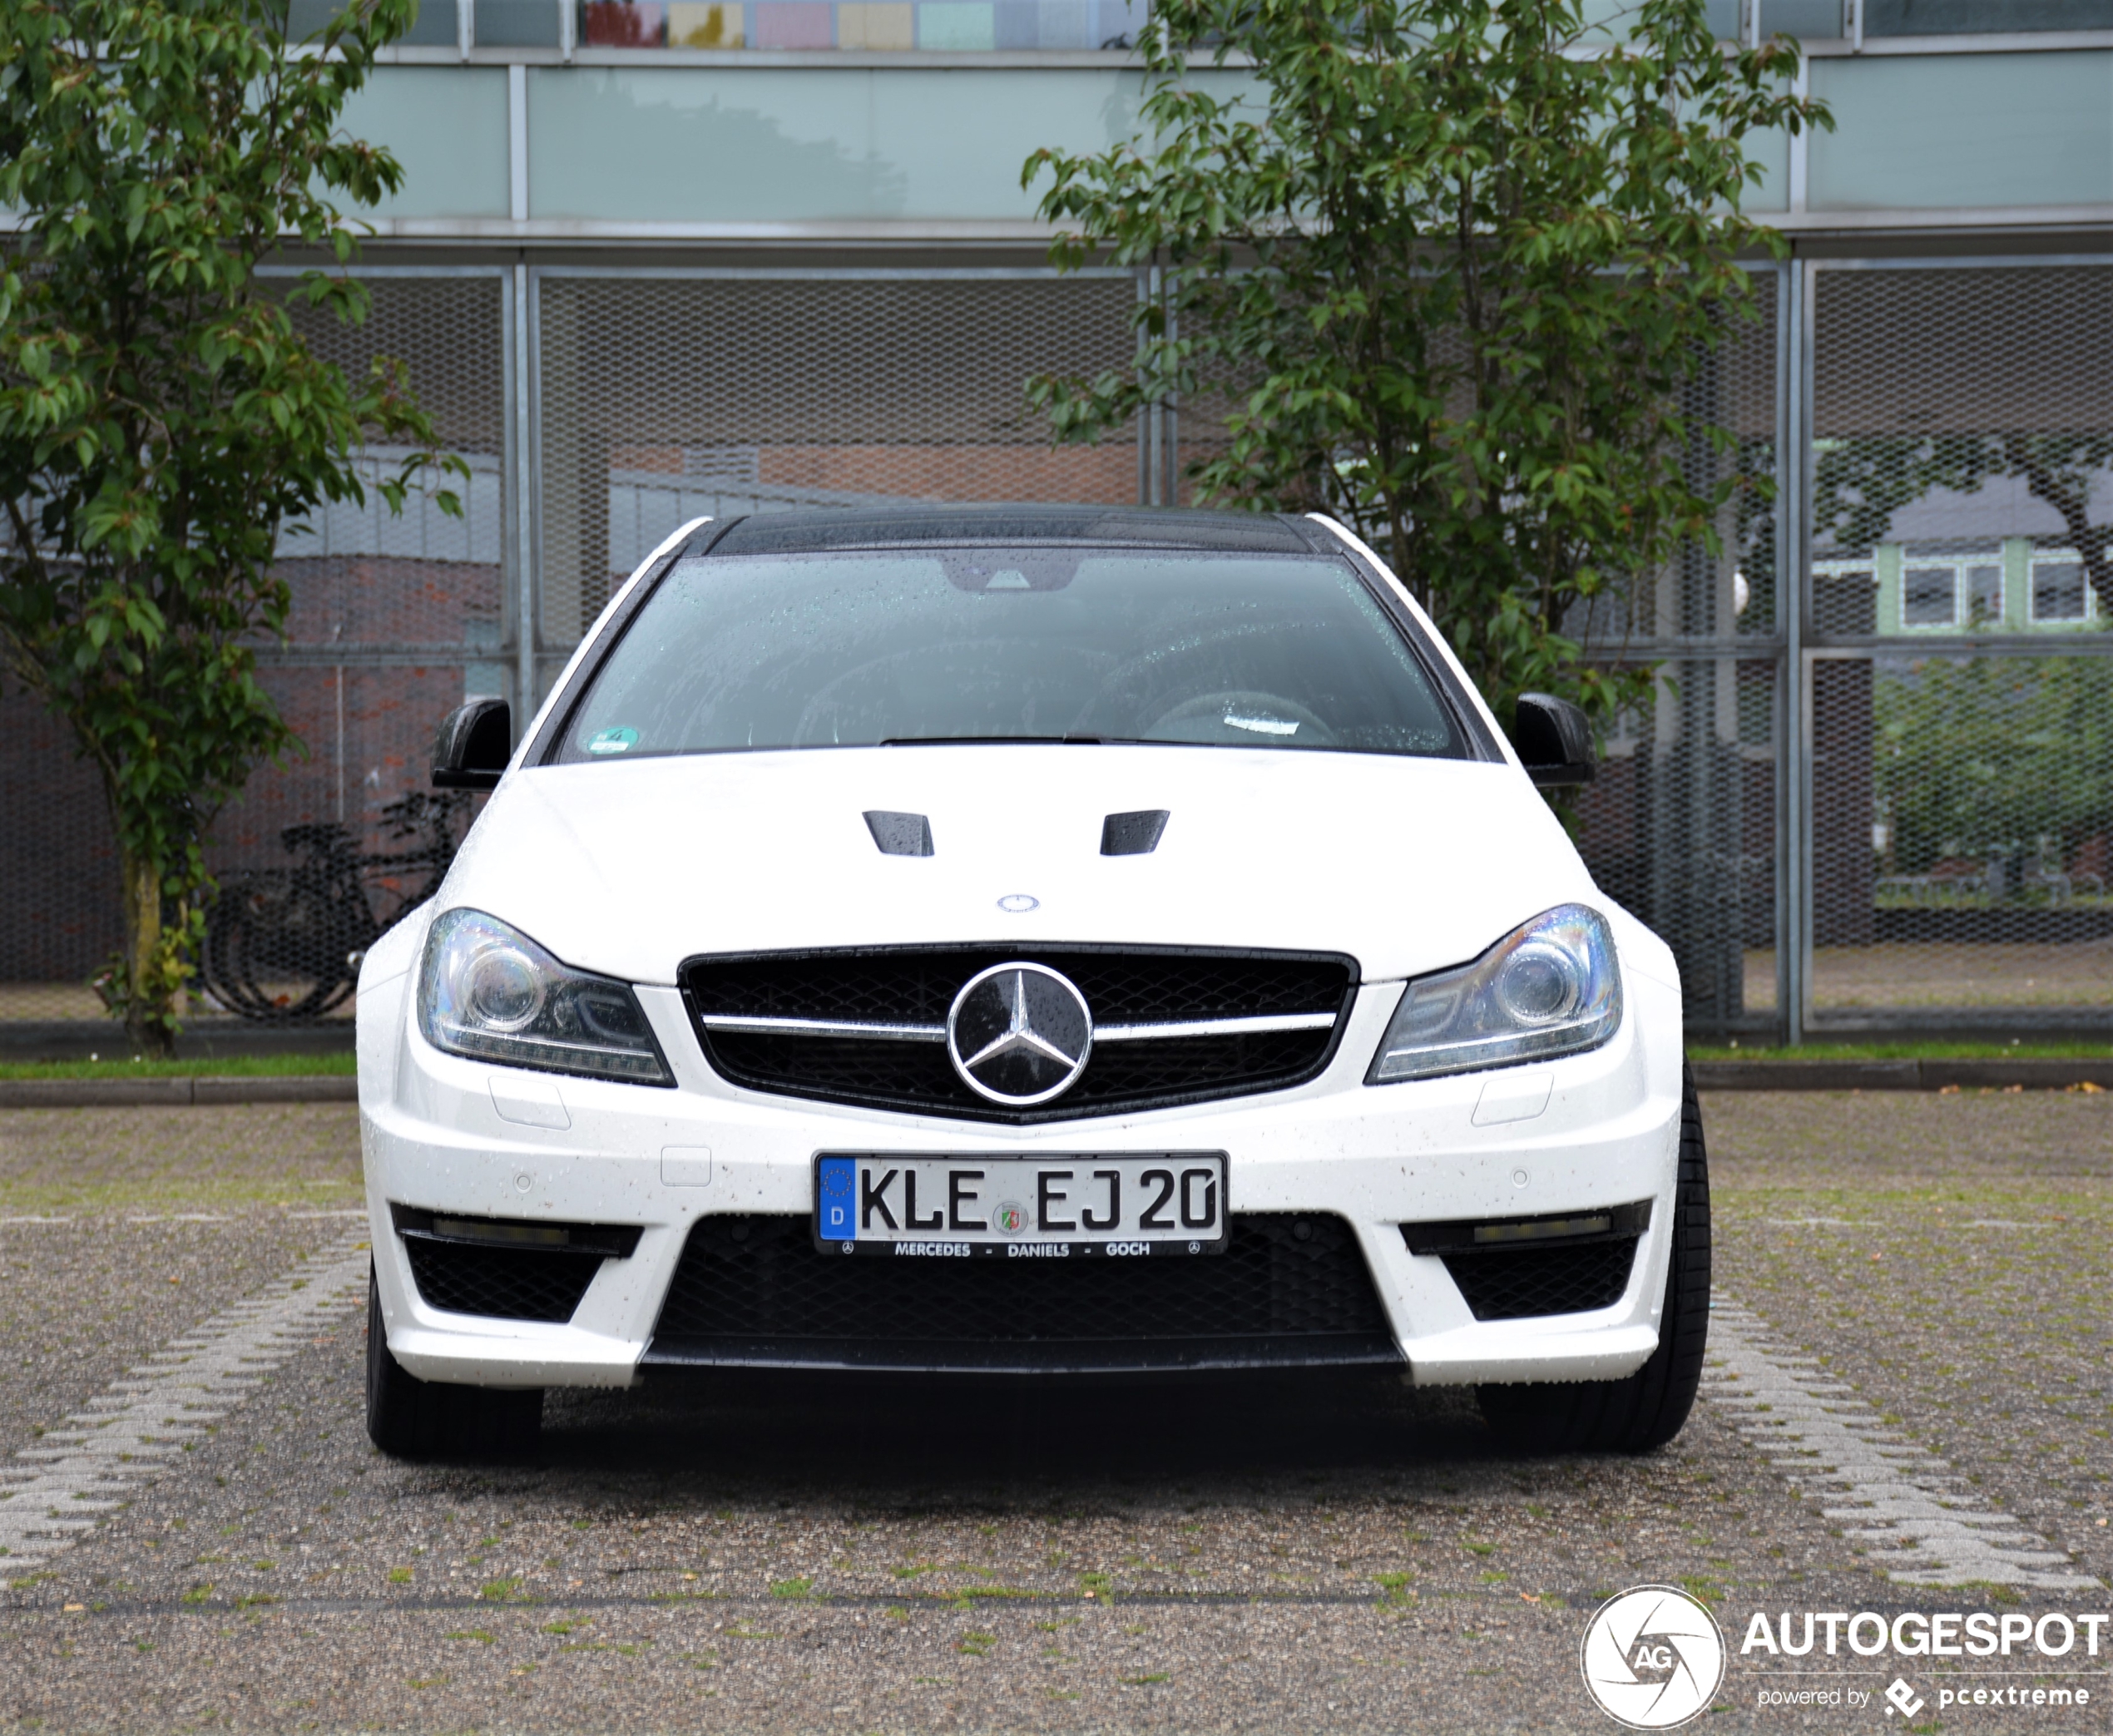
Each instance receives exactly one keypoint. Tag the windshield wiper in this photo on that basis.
(952, 741)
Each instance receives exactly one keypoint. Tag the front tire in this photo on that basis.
(1649, 1408)
(410, 1418)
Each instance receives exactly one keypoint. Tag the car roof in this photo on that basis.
(816, 531)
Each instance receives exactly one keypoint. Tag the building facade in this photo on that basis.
(656, 257)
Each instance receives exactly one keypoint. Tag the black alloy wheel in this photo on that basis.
(410, 1418)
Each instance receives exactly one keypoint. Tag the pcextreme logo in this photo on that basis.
(1653, 1658)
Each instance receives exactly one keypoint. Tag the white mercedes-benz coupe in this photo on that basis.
(1039, 941)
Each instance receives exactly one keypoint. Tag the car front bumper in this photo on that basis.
(447, 1135)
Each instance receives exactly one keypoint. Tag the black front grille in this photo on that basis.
(1512, 1283)
(1288, 1290)
(514, 1284)
(917, 987)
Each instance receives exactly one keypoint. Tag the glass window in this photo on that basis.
(1810, 20)
(1929, 596)
(704, 24)
(1985, 594)
(435, 26)
(517, 24)
(1040, 644)
(954, 25)
(623, 24)
(1947, 17)
(2058, 589)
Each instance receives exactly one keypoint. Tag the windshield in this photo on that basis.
(835, 649)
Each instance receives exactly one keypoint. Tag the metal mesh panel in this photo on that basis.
(661, 400)
(397, 618)
(1680, 826)
(1963, 698)
(59, 918)
(1956, 701)
(1730, 596)
(755, 1287)
(393, 619)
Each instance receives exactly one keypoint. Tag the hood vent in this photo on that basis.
(1131, 834)
(906, 834)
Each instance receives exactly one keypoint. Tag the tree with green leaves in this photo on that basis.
(159, 419)
(1981, 756)
(1451, 268)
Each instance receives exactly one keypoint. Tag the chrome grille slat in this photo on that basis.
(1252, 1026)
(1163, 1031)
(827, 1027)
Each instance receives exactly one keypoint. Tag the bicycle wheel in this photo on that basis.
(275, 946)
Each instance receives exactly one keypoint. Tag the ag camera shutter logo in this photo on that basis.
(1653, 1658)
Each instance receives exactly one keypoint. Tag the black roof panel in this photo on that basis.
(810, 532)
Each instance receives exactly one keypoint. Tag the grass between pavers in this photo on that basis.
(2021, 1050)
(335, 1064)
(86, 1163)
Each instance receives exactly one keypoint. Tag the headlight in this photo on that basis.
(488, 991)
(1549, 988)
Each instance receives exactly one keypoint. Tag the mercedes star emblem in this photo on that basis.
(1019, 1033)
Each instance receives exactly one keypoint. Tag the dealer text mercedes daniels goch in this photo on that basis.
(1052, 942)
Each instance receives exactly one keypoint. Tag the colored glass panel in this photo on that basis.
(699, 24)
(794, 24)
(956, 24)
(624, 24)
(876, 24)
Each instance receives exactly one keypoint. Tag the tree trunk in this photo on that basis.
(148, 1015)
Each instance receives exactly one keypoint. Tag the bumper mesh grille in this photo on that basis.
(1515, 1284)
(1288, 1290)
(511, 1284)
(917, 986)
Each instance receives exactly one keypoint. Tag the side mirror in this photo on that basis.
(1554, 740)
(474, 744)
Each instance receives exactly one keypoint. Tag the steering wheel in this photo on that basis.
(1119, 701)
(1241, 716)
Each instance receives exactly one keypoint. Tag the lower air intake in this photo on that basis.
(1517, 1284)
(1289, 1290)
(511, 1269)
(510, 1283)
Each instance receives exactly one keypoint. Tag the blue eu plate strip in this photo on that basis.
(836, 1193)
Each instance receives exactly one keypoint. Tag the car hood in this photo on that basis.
(629, 867)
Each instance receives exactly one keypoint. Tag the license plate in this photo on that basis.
(1016, 1208)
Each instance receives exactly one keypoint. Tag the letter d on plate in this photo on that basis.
(836, 1189)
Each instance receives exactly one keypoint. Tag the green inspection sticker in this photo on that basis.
(612, 741)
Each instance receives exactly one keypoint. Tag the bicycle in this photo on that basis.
(285, 943)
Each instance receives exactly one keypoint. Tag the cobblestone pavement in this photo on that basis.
(776, 1555)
